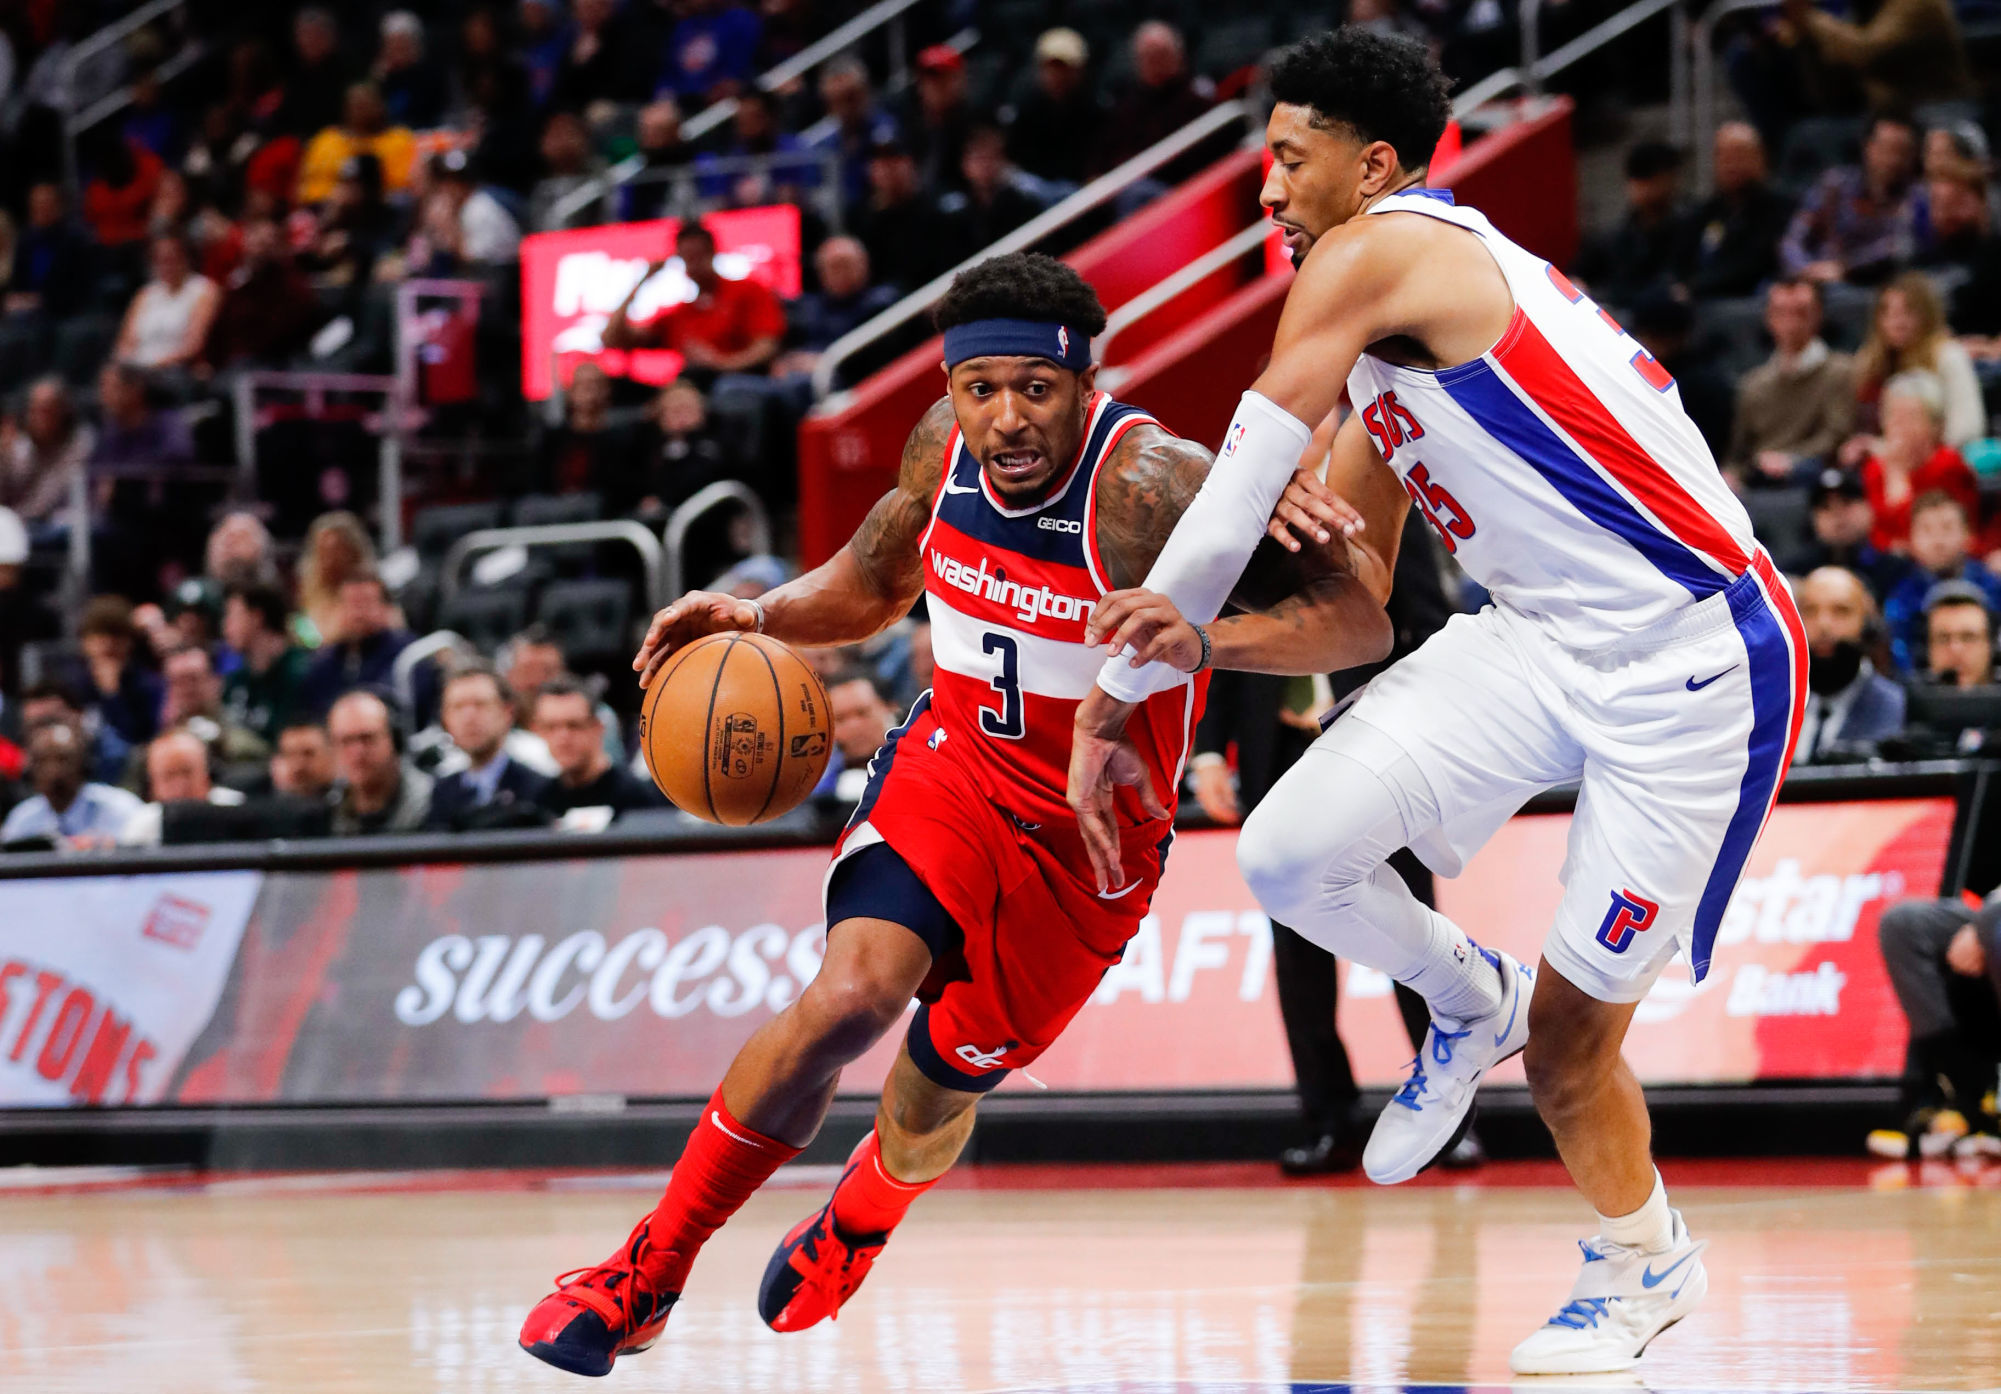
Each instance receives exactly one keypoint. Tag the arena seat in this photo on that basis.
(487, 617)
(591, 620)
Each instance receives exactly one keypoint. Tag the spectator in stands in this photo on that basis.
(585, 453)
(569, 163)
(1730, 245)
(1900, 53)
(464, 225)
(1944, 960)
(1163, 97)
(376, 790)
(364, 129)
(1959, 635)
(592, 64)
(51, 266)
(218, 159)
(566, 716)
(493, 790)
(940, 118)
(264, 691)
(533, 659)
(355, 229)
(713, 53)
(661, 148)
(66, 807)
(898, 225)
(1853, 706)
(168, 321)
(844, 302)
(1959, 238)
(757, 135)
(729, 326)
(364, 647)
(135, 434)
(862, 716)
(55, 700)
(1908, 333)
(1941, 550)
(1911, 458)
(42, 459)
(1860, 222)
(176, 771)
(193, 702)
(125, 694)
(302, 760)
(317, 80)
(268, 310)
(1796, 408)
(238, 551)
(119, 195)
(1843, 522)
(337, 547)
(990, 202)
(542, 40)
(678, 451)
(1639, 254)
(412, 86)
(148, 120)
(1665, 328)
(858, 124)
(1060, 121)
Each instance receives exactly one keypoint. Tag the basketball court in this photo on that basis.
(1826, 1276)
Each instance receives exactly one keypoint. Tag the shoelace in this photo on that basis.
(598, 1287)
(1581, 1312)
(831, 1287)
(1442, 1043)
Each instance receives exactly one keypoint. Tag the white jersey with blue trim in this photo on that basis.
(1558, 468)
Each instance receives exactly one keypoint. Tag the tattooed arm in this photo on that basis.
(861, 590)
(1322, 616)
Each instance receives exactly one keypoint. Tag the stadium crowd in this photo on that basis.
(264, 181)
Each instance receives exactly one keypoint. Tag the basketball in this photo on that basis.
(736, 729)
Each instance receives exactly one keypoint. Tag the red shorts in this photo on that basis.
(1033, 935)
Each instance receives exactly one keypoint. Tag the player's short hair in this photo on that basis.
(1021, 285)
(1380, 86)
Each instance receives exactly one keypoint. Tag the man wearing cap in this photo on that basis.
(1797, 407)
(940, 118)
(1054, 129)
(1842, 524)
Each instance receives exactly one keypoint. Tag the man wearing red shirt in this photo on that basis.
(729, 327)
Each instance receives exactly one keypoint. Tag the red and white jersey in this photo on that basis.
(1558, 468)
(1008, 591)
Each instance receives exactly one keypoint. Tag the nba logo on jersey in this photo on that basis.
(1628, 915)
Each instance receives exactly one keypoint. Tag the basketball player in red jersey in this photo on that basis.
(1024, 497)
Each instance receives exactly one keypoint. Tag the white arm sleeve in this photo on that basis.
(1214, 540)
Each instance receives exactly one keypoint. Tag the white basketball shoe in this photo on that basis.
(1623, 1299)
(1430, 1112)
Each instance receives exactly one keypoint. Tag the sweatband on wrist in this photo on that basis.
(1213, 541)
(1064, 345)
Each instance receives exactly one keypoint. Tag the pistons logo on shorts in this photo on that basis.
(1629, 914)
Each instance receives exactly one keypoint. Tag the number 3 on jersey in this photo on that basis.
(1007, 723)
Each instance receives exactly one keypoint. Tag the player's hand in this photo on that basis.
(1309, 511)
(694, 616)
(1964, 955)
(1101, 759)
(1149, 623)
(1217, 794)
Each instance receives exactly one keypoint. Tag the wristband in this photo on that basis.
(1207, 654)
(757, 605)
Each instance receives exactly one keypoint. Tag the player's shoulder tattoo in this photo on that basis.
(885, 545)
(1143, 489)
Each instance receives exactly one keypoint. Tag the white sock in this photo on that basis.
(1649, 1229)
(1453, 977)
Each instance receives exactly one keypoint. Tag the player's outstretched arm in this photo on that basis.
(858, 592)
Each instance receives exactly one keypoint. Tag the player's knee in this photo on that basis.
(852, 1009)
(1561, 1074)
(1289, 861)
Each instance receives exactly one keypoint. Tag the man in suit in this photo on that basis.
(1853, 706)
(492, 791)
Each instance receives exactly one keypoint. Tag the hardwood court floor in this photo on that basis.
(1195, 1280)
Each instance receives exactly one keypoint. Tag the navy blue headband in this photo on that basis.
(1018, 338)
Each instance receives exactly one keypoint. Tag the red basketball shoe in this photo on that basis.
(817, 1268)
(597, 1314)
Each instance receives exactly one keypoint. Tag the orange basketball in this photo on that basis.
(736, 729)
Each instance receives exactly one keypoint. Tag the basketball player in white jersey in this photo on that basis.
(1640, 643)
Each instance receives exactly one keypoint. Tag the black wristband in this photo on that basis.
(1207, 654)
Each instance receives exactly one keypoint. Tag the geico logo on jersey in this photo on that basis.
(1059, 525)
(1787, 908)
(1028, 603)
(1757, 991)
(497, 977)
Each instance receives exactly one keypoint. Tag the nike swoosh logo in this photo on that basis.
(1651, 1279)
(952, 488)
(1503, 1035)
(1694, 686)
